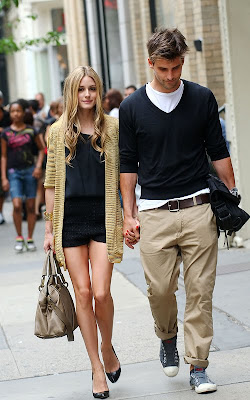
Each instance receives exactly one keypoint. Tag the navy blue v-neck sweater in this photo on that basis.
(169, 150)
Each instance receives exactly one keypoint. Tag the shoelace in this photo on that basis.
(200, 376)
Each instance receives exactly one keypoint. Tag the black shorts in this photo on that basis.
(84, 220)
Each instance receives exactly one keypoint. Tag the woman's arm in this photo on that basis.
(49, 201)
(37, 173)
(5, 182)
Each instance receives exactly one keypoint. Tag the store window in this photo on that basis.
(59, 52)
(161, 13)
(113, 44)
(58, 21)
(62, 58)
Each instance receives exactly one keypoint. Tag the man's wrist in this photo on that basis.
(234, 191)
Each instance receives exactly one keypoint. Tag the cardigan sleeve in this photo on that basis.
(50, 165)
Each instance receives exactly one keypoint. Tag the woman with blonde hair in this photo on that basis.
(83, 213)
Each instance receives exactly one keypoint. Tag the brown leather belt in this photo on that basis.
(176, 205)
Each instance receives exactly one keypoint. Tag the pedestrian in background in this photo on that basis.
(19, 172)
(4, 122)
(129, 90)
(40, 127)
(83, 212)
(168, 127)
(113, 99)
(43, 107)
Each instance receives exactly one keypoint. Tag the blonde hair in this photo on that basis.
(71, 123)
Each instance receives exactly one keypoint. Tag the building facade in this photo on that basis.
(42, 68)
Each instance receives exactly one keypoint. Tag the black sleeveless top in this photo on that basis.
(86, 175)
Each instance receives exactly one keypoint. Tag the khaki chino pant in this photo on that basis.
(164, 235)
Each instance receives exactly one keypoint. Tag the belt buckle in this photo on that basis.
(174, 209)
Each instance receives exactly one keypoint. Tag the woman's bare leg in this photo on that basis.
(104, 308)
(31, 216)
(17, 214)
(77, 261)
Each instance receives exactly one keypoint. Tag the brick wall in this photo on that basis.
(195, 19)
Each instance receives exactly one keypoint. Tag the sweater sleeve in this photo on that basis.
(50, 165)
(214, 141)
(127, 142)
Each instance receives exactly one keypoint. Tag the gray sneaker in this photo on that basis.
(200, 381)
(19, 245)
(169, 357)
(30, 245)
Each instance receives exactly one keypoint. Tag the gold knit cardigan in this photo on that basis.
(56, 176)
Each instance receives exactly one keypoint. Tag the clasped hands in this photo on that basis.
(131, 231)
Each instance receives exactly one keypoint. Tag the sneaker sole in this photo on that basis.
(18, 251)
(205, 388)
(171, 371)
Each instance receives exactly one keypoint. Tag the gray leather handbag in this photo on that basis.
(55, 314)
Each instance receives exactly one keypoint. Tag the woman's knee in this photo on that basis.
(84, 297)
(17, 208)
(30, 207)
(102, 296)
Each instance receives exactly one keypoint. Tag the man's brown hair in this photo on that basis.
(166, 43)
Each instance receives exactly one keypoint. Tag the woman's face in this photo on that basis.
(16, 113)
(87, 93)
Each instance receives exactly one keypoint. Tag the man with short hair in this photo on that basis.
(43, 109)
(129, 90)
(167, 128)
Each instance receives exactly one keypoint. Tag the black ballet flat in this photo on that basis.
(100, 395)
(114, 376)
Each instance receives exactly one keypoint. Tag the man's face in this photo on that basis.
(40, 99)
(128, 92)
(167, 74)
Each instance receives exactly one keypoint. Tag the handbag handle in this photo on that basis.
(51, 268)
(46, 270)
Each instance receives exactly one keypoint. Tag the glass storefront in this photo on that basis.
(113, 44)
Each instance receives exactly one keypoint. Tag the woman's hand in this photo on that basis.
(5, 185)
(37, 173)
(48, 242)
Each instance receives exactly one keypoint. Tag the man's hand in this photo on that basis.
(131, 231)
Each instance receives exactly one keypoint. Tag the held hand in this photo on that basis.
(5, 185)
(131, 232)
(37, 173)
(48, 242)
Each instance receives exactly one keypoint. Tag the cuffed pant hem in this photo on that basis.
(196, 361)
(164, 335)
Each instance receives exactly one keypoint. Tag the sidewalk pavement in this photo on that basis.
(35, 369)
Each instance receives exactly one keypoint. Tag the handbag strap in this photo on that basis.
(70, 334)
(46, 270)
(57, 269)
(45, 265)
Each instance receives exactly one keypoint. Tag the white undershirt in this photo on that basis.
(165, 102)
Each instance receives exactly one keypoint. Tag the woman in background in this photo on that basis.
(20, 172)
